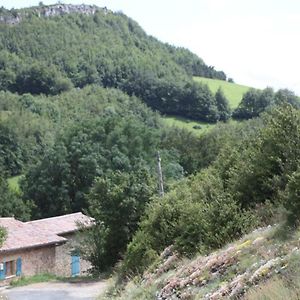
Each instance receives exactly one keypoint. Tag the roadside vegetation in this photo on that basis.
(34, 279)
(46, 277)
(261, 265)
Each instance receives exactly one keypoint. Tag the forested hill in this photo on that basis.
(50, 49)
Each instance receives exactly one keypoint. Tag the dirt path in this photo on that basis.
(56, 291)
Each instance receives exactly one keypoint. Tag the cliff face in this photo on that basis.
(13, 17)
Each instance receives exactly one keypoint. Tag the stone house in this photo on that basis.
(42, 246)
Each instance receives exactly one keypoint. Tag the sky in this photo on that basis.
(256, 42)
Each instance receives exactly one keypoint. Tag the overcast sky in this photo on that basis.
(257, 42)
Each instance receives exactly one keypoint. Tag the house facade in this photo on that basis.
(42, 246)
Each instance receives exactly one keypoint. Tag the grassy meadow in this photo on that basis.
(234, 92)
(191, 125)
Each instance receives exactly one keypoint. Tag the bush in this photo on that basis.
(195, 216)
(292, 199)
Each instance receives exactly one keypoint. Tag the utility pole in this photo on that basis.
(160, 177)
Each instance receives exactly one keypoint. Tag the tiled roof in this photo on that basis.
(40, 232)
(63, 224)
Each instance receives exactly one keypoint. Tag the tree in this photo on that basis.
(11, 203)
(39, 78)
(222, 105)
(254, 102)
(47, 184)
(291, 198)
(248, 106)
(283, 96)
(111, 50)
(12, 154)
(117, 202)
(260, 169)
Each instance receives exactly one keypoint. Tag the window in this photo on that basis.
(10, 267)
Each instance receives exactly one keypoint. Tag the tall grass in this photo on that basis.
(284, 286)
(274, 289)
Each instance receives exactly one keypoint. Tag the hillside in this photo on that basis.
(88, 102)
(50, 49)
(234, 92)
(190, 125)
(261, 265)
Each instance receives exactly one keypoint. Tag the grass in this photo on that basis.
(191, 125)
(13, 183)
(134, 291)
(23, 280)
(281, 286)
(234, 92)
(274, 289)
(46, 277)
(246, 257)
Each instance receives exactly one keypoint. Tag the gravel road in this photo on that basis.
(55, 291)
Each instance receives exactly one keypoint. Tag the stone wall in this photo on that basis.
(34, 261)
(54, 259)
(63, 253)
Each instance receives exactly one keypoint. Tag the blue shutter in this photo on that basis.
(3, 271)
(75, 265)
(19, 267)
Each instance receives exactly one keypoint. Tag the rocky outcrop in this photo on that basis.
(14, 17)
(10, 19)
(224, 274)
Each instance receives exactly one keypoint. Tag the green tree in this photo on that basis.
(222, 105)
(254, 102)
(117, 203)
(49, 56)
(195, 216)
(291, 199)
(39, 78)
(11, 203)
(47, 184)
(12, 154)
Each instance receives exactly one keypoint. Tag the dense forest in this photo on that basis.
(52, 55)
(81, 97)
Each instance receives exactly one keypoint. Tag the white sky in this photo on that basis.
(257, 42)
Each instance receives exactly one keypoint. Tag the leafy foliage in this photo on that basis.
(119, 201)
(219, 203)
(50, 55)
(254, 102)
(71, 121)
(222, 105)
(11, 203)
(195, 216)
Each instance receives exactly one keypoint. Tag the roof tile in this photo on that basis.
(40, 232)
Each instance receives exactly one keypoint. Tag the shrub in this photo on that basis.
(292, 199)
(195, 216)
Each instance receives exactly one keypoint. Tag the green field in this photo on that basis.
(233, 92)
(13, 183)
(187, 124)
